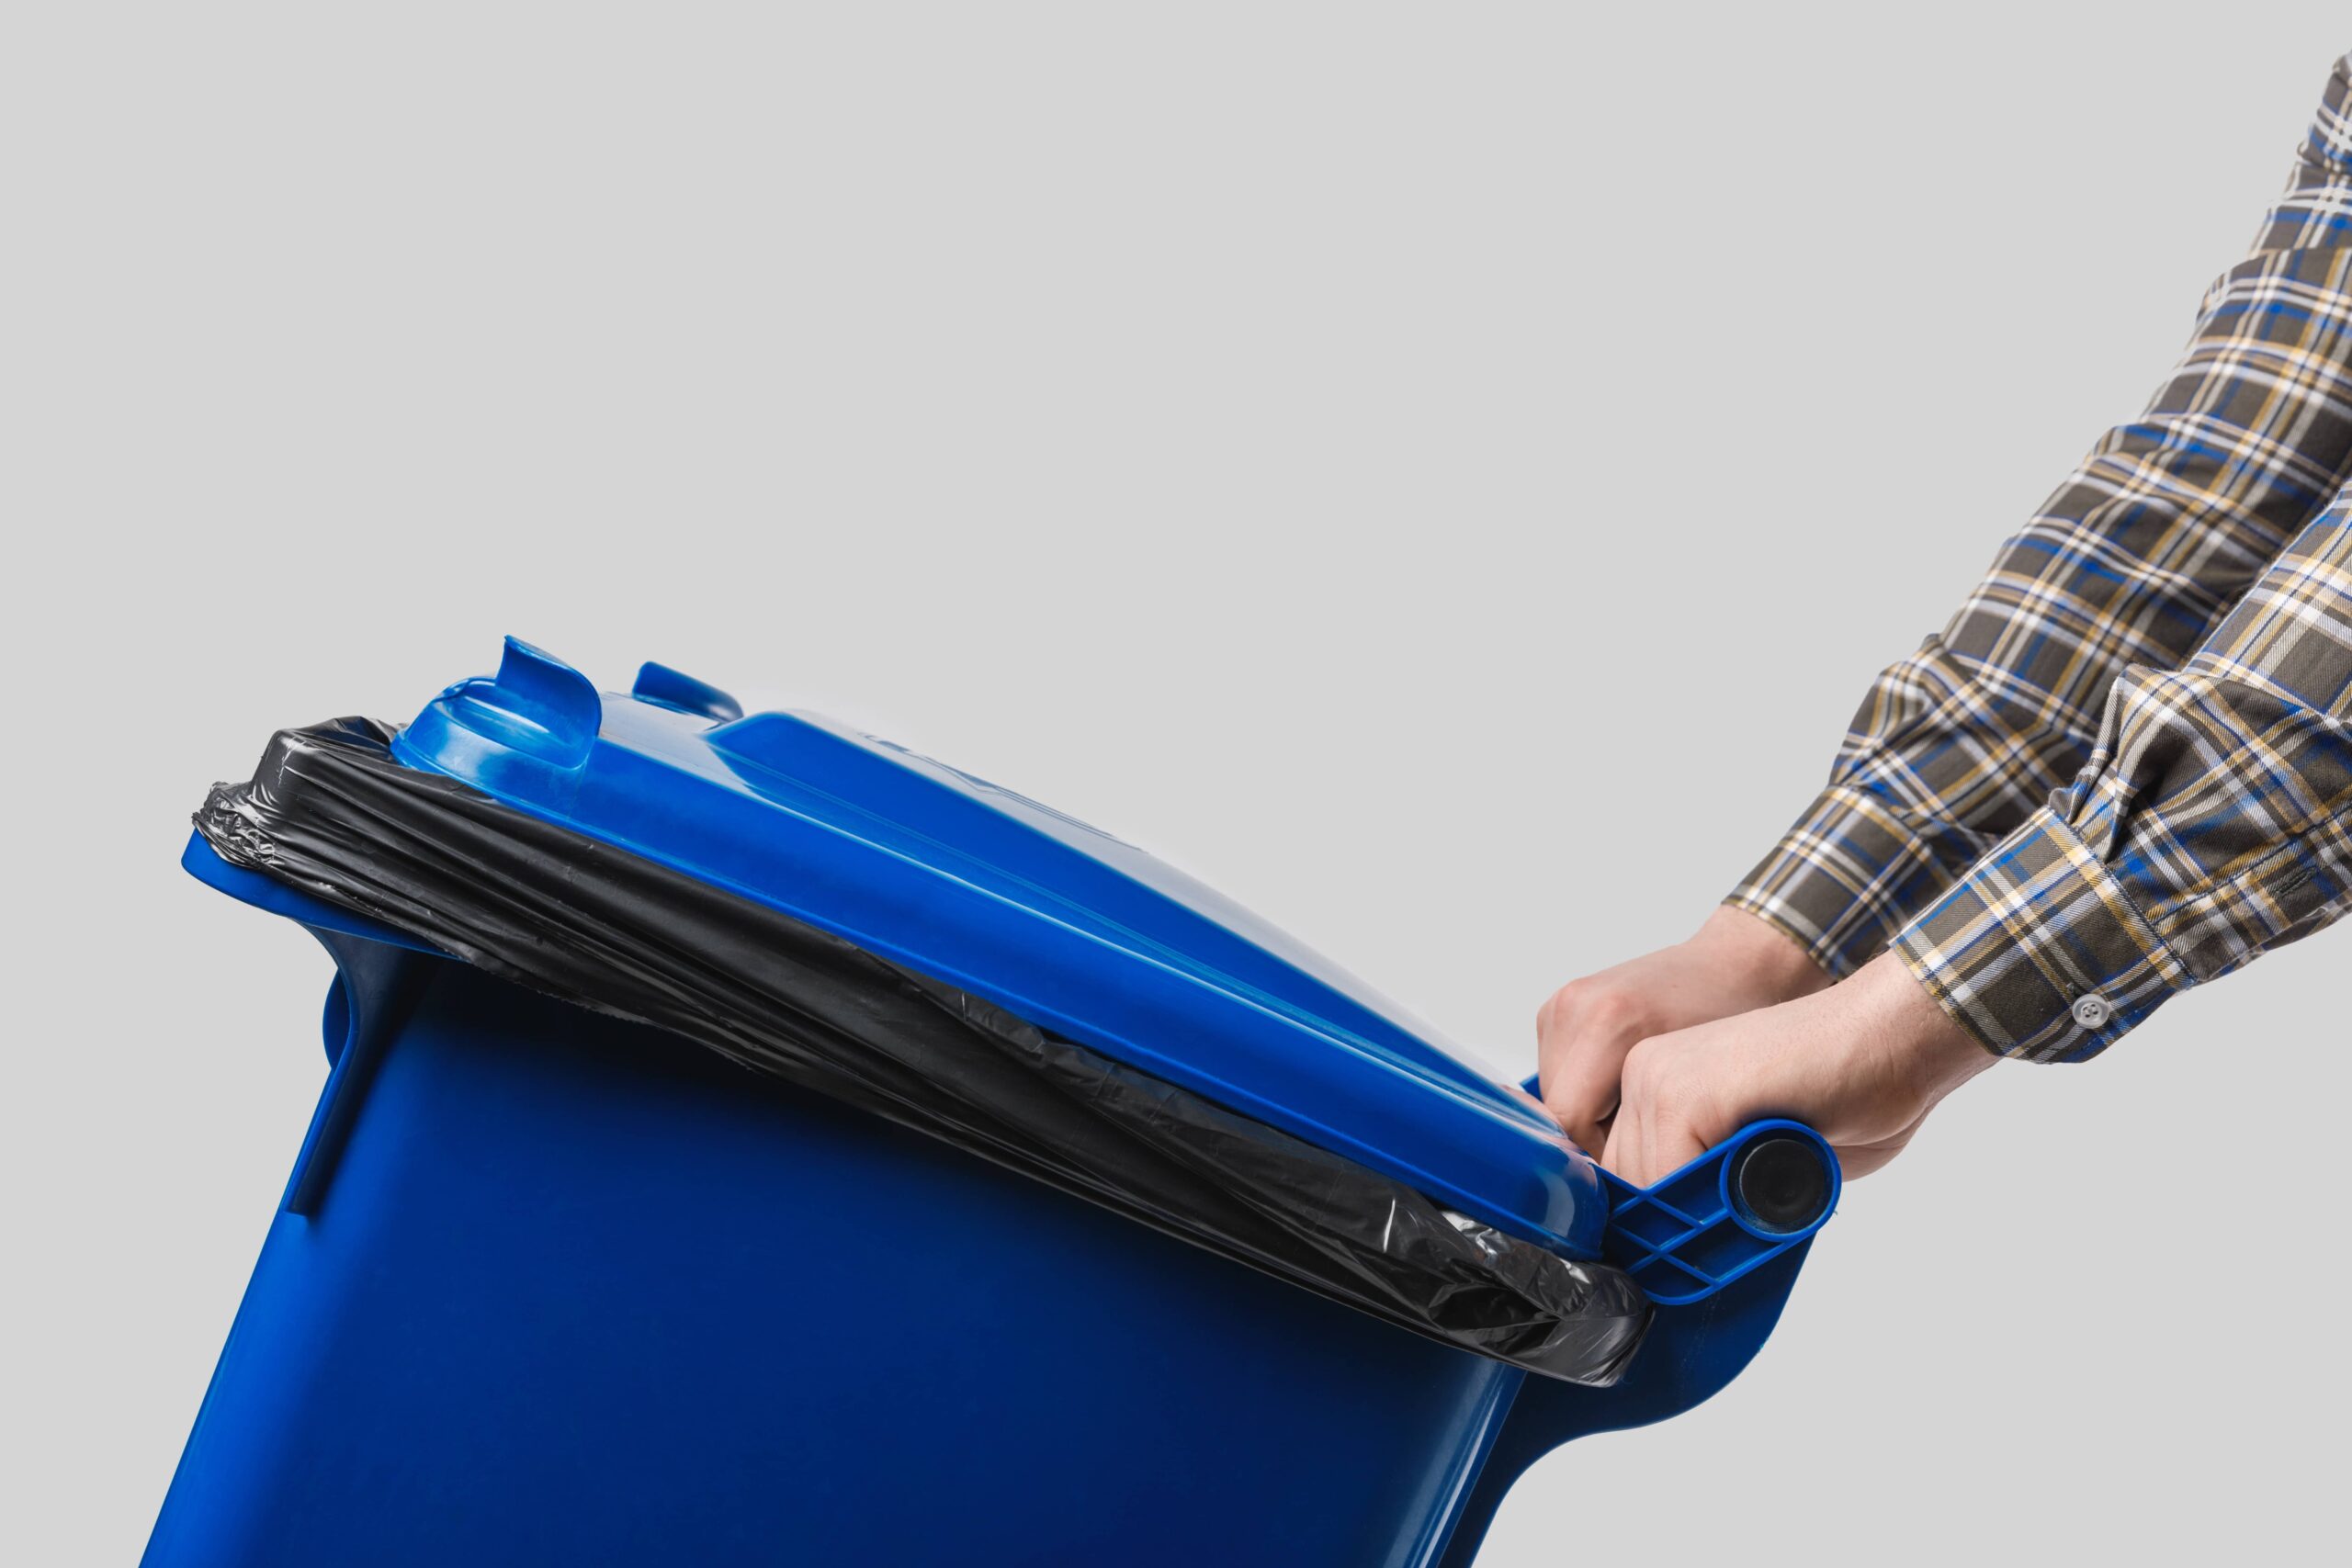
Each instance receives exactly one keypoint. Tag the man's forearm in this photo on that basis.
(2214, 824)
(2131, 563)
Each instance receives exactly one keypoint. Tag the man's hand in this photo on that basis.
(1862, 1064)
(1735, 964)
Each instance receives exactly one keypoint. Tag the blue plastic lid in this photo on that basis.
(1055, 922)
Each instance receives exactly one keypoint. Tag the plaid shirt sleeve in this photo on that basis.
(2127, 566)
(2213, 823)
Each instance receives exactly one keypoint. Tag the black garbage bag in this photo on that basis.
(330, 811)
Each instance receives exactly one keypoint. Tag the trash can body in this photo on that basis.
(550, 1285)
(576, 1291)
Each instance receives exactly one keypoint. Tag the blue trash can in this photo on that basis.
(552, 1285)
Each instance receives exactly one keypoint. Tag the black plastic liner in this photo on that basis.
(329, 811)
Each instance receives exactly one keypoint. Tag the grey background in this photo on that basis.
(1441, 474)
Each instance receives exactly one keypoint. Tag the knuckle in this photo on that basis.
(1567, 1010)
(1574, 1111)
(1612, 1011)
(1641, 1067)
(1653, 1077)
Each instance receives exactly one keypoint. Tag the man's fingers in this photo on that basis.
(1618, 1153)
(1668, 1152)
(1862, 1063)
(1643, 1152)
(1583, 1034)
(1582, 1090)
(1661, 1126)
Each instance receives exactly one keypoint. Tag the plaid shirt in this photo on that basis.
(2125, 766)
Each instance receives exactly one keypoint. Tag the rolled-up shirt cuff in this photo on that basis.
(2039, 953)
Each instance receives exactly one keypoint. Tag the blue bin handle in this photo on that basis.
(1717, 1245)
(1753, 1197)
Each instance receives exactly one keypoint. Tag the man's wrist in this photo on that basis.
(1755, 947)
(1940, 1051)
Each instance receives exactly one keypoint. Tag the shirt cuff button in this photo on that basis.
(2092, 1012)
